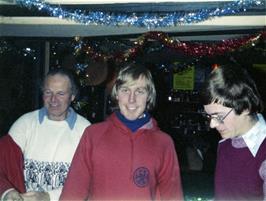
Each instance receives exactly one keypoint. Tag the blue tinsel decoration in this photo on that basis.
(148, 20)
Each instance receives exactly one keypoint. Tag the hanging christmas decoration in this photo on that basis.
(193, 49)
(148, 20)
(95, 73)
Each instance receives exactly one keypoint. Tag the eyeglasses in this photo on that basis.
(219, 118)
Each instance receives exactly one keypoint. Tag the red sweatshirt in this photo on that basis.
(112, 163)
(11, 166)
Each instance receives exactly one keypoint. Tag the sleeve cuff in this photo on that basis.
(6, 192)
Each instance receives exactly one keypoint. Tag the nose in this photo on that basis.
(213, 123)
(132, 97)
(53, 97)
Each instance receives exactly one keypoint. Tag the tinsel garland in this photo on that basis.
(193, 49)
(148, 20)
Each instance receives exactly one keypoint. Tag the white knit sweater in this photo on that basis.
(48, 147)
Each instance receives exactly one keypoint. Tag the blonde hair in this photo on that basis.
(131, 73)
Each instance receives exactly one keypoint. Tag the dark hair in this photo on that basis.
(233, 87)
(132, 72)
(64, 72)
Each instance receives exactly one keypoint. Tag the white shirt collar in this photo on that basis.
(255, 136)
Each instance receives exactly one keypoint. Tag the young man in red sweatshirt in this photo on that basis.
(126, 157)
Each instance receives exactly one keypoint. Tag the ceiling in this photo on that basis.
(17, 21)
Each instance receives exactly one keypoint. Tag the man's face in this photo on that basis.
(232, 125)
(132, 99)
(57, 96)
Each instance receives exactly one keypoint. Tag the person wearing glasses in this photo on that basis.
(126, 157)
(233, 106)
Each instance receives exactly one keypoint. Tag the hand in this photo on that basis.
(36, 196)
(13, 195)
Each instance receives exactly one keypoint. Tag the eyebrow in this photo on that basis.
(141, 87)
(128, 86)
(214, 113)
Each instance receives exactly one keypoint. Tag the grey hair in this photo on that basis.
(64, 72)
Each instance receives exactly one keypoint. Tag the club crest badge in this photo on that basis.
(141, 176)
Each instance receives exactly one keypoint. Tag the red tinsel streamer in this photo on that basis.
(195, 49)
(203, 49)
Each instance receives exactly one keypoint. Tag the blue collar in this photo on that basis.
(71, 117)
(133, 125)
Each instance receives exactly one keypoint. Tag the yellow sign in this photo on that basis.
(184, 80)
(261, 67)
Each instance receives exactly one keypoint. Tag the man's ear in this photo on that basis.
(73, 97)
